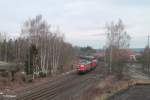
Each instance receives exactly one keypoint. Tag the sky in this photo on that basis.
(82, 21)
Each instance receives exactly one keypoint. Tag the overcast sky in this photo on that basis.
(82, 21)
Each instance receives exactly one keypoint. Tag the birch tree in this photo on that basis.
(117, 41)
(49, 44)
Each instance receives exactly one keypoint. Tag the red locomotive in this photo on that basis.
(86, 64)
(83, 66)
(93, 64)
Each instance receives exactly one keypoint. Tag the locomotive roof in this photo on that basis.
(87, 57)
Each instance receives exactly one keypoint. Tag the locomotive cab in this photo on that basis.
(83, 66)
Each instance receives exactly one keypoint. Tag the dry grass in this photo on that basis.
(98, 90)
(119, 86)
(110, 86)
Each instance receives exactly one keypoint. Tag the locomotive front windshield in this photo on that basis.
(83, 61)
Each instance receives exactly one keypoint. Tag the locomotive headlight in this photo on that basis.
(82, 66)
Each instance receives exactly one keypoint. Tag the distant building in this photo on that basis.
(132, 55)
(125, 53)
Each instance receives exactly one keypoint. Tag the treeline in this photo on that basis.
(87, 51)
(38, 48)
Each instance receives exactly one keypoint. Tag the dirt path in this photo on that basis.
(134, 71)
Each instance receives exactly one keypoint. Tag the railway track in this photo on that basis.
(62, 88)
(54, 93)
(35, 91)
(59, 78)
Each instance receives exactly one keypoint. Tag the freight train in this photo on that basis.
(86, 63)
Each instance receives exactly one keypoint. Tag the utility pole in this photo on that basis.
(110, 66)
(148, 57)
(105, 59)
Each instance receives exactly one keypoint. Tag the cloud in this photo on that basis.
(81, 19)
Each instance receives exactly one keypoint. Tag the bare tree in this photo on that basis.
(117, 41)
(50, 45)
(42, 51)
